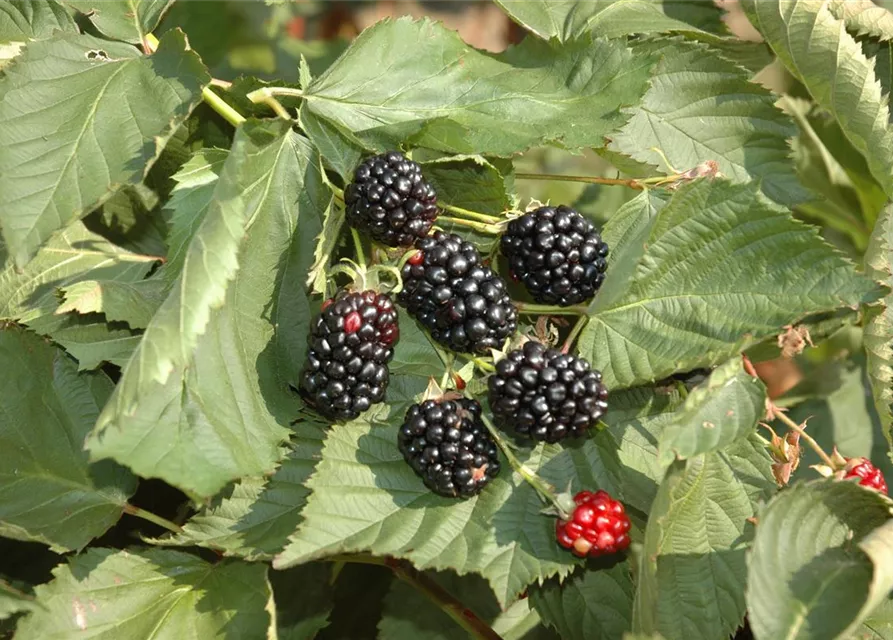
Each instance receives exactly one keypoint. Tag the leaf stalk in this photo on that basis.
(531, 309)
(153, 518)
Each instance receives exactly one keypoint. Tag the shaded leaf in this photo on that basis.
(474, 182)
(12, 600)
(107, 593)
(304, 599)
(91, 341)
(432, 89)
(127, 20)
(693, 571)
(701, 107)
(23, 20)
(134, 303)
(49, 492)
(817, 589)
(569, 19)
(716, 413)
(119, 108)
(678, 311)
(818, 51)
(229, 390)
(589, 605)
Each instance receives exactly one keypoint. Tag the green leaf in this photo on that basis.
(409, 614)
(142, 594)
(127, 20)
(134, 303)
(589, 605)
(719, 411)
(823, 588)
(192, 430)
(818, 51)
(13, 601)
(341, 152)
(91, 341)
(775, 271)
(864, 18)
(366, 498)
(702, 107)
(569, 19)
(304, 599)
(414, 354)
(189, 203)
(878, 335)
(473, 182)
(23, 20)
(48, 490)
(30, 295)
(693, 572)
(430, 88)
(318, 277)
(254, 517)
(119, 108)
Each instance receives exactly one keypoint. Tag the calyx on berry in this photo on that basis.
(598, 525)
(862, 468)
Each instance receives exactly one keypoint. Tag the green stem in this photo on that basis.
(219, 105)
(263, 96)
(575, 332)
(793, 426)
(631, 183)
(151, 517)
(483, 365)
(461, 615)
(550, 310)
(339, 193)
(543, 488)
(472, 215)
(358, 245)
(275, 91)
(491, 229)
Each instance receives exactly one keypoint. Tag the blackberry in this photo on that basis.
(869, 475)
(464, 304)
(598, 526)
(545, 394)
(390, 200)
(557, 254)
(448, 446)
(351, 342)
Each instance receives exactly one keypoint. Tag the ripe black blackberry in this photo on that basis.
(545, 394)
(351, 342)
(390, 200)
(464, 304)
(448, 446)
(557, 254)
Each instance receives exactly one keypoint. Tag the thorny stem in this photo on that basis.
(464, 617)
(265, 96)
(575, 332)
(808, 438)
(151, 517)
(358, 245)
(531, 309)
(491, 229)
(472, 215)
(543, 488)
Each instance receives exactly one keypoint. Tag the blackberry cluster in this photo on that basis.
(390, 200)
(464, 304)
(448, 446)
(545, 394)
(557, 254)
(351, 342)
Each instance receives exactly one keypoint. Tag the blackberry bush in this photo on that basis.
(390, 200)
(463, 303)
(557, 254)
(545, 394)
(350, 345)
(446, 444)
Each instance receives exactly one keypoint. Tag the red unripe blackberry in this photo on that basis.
(463, 304)
(869, 475)
(545, 394)
(351, 342)
(448, 446)
(557, 254)
(598, 526)
(390, 200)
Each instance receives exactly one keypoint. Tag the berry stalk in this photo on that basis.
(489, 229)
(574, 334)
(531, 309)
(461, 615)
(471, 215)
(545, 490)
(358, 245)
(793, 426)
(632, 183)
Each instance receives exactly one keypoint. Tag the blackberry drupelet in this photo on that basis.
(390, 200)
(869, 475)
(545, 394)
(599, 526)
(448, 446)
(464, 304)
(351, 342)
(557, 254)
